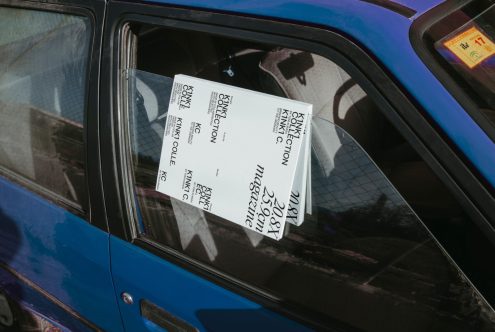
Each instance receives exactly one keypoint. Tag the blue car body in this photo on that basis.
(73, 273)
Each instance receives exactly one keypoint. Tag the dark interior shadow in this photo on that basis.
(244, 320)
(296, 66)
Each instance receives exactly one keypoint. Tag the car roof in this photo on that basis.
(415, 7)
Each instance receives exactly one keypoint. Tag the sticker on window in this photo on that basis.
(471, 46)
(234, 153)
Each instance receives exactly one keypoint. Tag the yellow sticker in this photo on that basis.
(471, 46)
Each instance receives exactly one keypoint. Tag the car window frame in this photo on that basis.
(92, 10)
(372, 76)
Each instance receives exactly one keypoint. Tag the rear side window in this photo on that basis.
(362, 255)
(43, 66)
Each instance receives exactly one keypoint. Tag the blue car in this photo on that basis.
(400, 222)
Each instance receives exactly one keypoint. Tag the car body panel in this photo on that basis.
(59, 252)
(185, 295)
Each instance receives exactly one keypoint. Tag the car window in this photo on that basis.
(362, 255)
(43, 65)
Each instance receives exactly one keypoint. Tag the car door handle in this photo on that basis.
(156, 319)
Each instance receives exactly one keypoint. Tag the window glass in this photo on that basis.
(43, 65)
(362, 256)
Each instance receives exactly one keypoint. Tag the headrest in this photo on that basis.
(313, 79)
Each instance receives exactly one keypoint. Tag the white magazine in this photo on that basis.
(234, 152)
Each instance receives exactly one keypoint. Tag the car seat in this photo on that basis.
(341, 103)
(338, 99)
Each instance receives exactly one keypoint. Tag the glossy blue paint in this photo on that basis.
(184, 295)
(385, 34)
(61, 253)
(30, 299)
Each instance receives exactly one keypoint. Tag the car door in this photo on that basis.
(54, 249)
(364, 258)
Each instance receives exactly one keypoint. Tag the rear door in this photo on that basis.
(54, 254)
(362, 259)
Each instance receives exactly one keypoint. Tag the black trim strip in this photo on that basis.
(393, 6)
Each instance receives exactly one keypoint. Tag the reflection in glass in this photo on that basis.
(43, 62)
